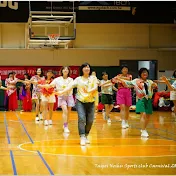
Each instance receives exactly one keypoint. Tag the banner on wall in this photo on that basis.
(94, 11)
(20, 71)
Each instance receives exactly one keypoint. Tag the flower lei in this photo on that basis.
(46, 91)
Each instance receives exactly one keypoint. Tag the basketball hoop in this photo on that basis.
(54, 38)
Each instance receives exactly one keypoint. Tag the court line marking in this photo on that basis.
(24, 128)
(13, 163)
(76, 122)
(97, 156)
(111, 125)
(84, 147)
(11, 153)
(44, 161)
(99, 146)
(99, 139)
(39, 154)
(6, 126)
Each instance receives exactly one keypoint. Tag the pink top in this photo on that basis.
(36, 78)
(120, 85)
(11, 84)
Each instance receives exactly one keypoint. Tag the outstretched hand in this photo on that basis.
(164, 78)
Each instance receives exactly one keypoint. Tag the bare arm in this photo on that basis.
(3, 88)
(167, 83)
(114, 88)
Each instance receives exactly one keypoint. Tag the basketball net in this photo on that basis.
(54, 38)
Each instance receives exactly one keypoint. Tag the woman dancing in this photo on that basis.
(85, 101)
(172, 88)
(123, 97)
(107, 95)
(36, 92)
(11, 93)
(48, 99)
(66, 101)
(96, 92)
(26, 93)
(144, 92)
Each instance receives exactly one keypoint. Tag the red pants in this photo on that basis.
(27, 102)
(158, 95)
(13, 101)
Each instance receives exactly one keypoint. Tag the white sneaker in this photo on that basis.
(50, 122)
(66, 130)
(104, 115)
(144, 133)
(46, 122)
(127, 126)
(83, 141)
(37, 118)
(109, 120)
(123, 124)
(87, 141)
(40, 116)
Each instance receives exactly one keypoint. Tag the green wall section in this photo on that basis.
(112, 71)
(2, 95)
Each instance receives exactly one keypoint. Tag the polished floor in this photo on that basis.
(27, 148)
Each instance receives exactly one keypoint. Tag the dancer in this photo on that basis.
(96, 92)
(11, 93)
(172, 88)
(26, 93)
(36, 93)
(144, 92)
(85, 101)
(107, 95)
(66, 101)
(124, 98)
(48, 99)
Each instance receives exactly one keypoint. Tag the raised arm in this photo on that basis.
(3, 88)
(167, 83)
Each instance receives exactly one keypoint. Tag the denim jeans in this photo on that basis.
(85, 117)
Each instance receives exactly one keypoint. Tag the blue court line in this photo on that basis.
(6, 126)
(44, 161)
(24, 128)
(13, 163)
(11, 153)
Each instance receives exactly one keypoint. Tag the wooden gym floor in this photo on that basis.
(27, 148)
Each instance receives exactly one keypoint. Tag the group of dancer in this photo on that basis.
(46, 89)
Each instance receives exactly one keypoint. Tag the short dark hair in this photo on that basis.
(142, 70)
(104, 73)
(69, 70)
(11, 73)
(81, 69)
(124, 66)
(28, 77)
(42, 73)
(50, 71)
(174, 74)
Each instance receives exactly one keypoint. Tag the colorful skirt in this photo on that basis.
(27, 102)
